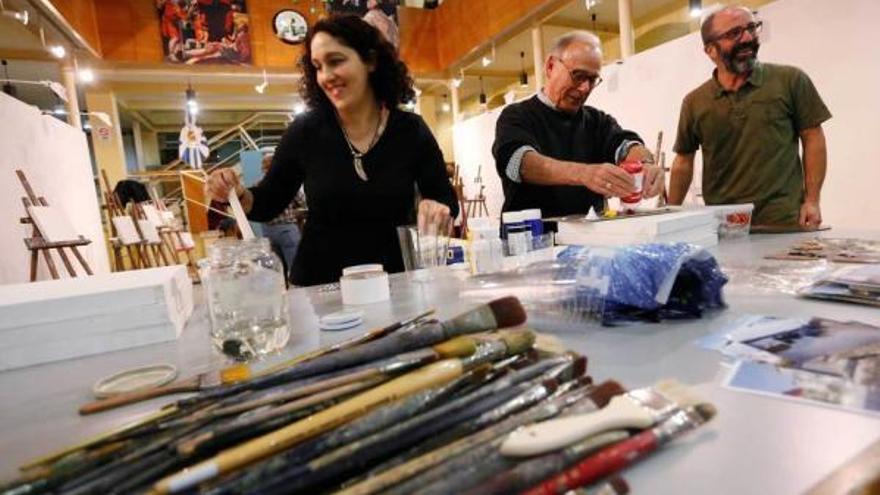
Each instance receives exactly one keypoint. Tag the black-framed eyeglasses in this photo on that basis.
(578, 77)
(734, 34)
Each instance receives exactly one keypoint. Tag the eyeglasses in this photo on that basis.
(734, 34)
(578, 77)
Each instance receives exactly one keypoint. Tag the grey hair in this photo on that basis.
(561, 43)
(706, 26)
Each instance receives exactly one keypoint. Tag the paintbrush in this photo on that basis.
(521, 474)
(379, 419)
(461, 346)
(231, 459)
(447, 465)
(354, 455)
(640, 408)
(241, 426)
(504, 312)
(618, 456)
(241, 372)
(382, 478)
(562, 376)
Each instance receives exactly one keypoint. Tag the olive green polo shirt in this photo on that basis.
(750, 139)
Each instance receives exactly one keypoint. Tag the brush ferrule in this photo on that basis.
(679, 423)
(487, 352)
(477, 320)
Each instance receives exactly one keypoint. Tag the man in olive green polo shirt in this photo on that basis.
(748, 119)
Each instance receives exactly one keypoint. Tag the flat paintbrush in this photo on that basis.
(242, 372)
(639, 408)
(620, 455)
(407, 433)
(525, 473)
(381, 418)
(505, 312)
(211, 379)
(232, 459)
(445, 465)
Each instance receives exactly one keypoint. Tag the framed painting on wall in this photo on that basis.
(205, 31)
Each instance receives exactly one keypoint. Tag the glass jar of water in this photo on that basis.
(247, 298)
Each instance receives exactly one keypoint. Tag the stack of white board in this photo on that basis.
(695, 227)
(53, 320)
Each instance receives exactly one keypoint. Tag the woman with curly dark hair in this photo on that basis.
(357, 154)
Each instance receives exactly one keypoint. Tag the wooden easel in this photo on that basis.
(477, 207)
(38, 244)
(173, 237)
(152, 247)
(136, 254)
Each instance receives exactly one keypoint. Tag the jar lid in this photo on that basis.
(143, 378)
(341, 320)
(370, 267)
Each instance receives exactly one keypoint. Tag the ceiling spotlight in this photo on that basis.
(486, 61)
(19, 15)
(445, 107)
(86, 75)
(57, 51)
(410, 105)
(456, 82)
(696, 8)
(299, 107)
(192, 106)
(591, 4)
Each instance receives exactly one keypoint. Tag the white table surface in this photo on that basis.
(756, 444)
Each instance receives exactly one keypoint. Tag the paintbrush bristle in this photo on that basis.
(606, 391)
(508, 311)
(706, 411)
(549, 344)
(677, 392)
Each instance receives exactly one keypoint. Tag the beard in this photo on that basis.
(738, 64)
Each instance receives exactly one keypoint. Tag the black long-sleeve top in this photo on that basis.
(588, 136)
(350, 221)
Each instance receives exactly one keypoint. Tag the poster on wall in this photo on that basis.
(380, 13)
(205, 31)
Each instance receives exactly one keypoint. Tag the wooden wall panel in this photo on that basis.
(418, 40)
(82, 17)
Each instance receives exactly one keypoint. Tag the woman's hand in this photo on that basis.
(434, 218)
(221, 181)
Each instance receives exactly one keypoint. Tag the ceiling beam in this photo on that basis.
(38, 55)
(513, 74)
(598, 29)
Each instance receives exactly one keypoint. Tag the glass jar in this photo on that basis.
(247, 298)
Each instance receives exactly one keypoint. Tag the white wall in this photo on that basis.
(55, 158)
(834, 42)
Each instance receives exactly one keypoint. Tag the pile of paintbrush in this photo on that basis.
(435, 407)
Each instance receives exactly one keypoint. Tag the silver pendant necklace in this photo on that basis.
(357, 156)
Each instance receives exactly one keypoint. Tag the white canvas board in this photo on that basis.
(55, 158)
(152, 214)
(65, 299)
(126, 231)
(96, 324)
(186, 241)
(149, 231)
(653, 225)
(52, 223)
(88, 345)
(167, 217)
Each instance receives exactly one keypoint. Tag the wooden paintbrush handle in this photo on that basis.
(559, 433)
(189, 385)
(234, 458)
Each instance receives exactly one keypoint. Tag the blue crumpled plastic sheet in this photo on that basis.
(650, 282)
